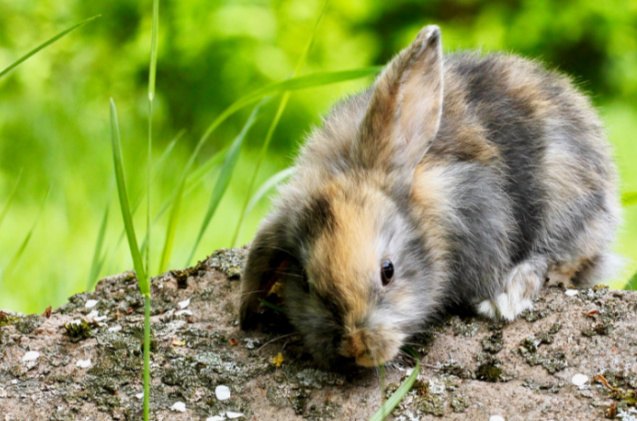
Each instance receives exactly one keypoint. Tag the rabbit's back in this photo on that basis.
(526, 171)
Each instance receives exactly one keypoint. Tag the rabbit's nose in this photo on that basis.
(353, 345)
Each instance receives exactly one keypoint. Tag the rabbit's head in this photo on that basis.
(342, 248)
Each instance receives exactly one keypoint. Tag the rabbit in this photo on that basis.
(463, 180)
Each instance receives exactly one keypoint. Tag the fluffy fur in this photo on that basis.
(479, 177)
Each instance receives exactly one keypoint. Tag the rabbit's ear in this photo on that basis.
(266, 263)
(406, 106)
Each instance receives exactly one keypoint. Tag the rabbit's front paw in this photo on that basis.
(522, 285)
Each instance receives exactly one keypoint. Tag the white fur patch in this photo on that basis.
(521, 286)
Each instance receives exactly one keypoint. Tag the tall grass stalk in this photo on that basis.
(45, 44)
(152, 72)
(138, 263)
(273, 125)
(152, 76)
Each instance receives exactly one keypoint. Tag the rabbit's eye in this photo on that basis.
(386, 272)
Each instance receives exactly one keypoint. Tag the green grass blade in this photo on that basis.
(45, 44)
(7, 205)
(631, 285)
(146, 347)
(167, 152)
(152, 67)
(308, 81)
(268, 185)
(224, 177)
(124, 204)
(397, 396)
(629, 198)
(152, 72)
(202, 172)
(156, 170)
(13, 263)
(98, 260)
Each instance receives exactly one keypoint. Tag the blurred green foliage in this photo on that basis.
(54, 121)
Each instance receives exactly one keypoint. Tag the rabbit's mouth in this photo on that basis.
(371, 348)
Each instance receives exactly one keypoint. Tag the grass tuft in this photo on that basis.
(273, 125)
(303, 82)
(224, 177)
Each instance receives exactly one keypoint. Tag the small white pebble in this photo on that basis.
(183, 313)
(90, 303)
(222, 392)
(140, 395)
(579, 380)
(496, 418)
(436, 387)
(231, 415)
(93, 314)
(251, 343)
(115, 328)
(31, 356)
(571, 292)
(83, 363)
(178, 407)
(216, 418)
(183, 304)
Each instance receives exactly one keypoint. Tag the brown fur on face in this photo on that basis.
(329, 265)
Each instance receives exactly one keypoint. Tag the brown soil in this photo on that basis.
(471, 368)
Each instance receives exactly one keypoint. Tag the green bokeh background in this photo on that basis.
(54, 121)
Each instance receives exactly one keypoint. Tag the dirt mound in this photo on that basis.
(573, 357)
